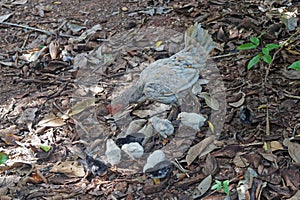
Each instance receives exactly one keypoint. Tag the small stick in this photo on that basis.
(27, 27)
(36, 29)
(223, 56)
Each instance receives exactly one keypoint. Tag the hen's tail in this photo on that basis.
(197, 39)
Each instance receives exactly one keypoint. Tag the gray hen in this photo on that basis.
(164, 80)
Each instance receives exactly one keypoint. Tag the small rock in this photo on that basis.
(133, 149)
(192, 120)
(153, 159)
(124, 9)
(147, 131)
(113, 152)
(135, 126)
(163, 126)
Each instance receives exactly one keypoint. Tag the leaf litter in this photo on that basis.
(36, 113)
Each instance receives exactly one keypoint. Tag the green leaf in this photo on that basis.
(253, 61)
(45, 148)
(226, 190)
(255, 40)
(265, 51)
(217, 185)
(295, 65)
(247, 46)
(226, 183)
(226, 186)
(3, 157)
(267, 59)
(272, 46)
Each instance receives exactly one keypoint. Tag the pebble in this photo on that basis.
(133, 149)
(192, 120)
(163, 126)
(113, 152)
(153, 159)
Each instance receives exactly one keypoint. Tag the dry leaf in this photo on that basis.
(275, 145)
(69, 168)
(210, 166)
(199, 148)
(296, 196)
(210, 101)
(293, 148)
(53, 49)
(51, 121)
(240, 161)
(202, 187)
(81, 106)
(239, 102)
(269, 156)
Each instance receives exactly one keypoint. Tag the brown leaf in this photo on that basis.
(53, 49)
(293, 148)
(240, 161)
(291, 177)
(210, 166)
(199, 148)
(202, 187)
(228, 151)
(81, 106)
(239, 102)
(296, 196)
(69, 168)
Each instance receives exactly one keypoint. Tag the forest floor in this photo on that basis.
(53, 80)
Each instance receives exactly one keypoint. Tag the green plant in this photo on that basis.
(295, 65)
(3, 157)
(221, 186)
(263, 55)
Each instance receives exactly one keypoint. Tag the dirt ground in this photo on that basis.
(41, 136)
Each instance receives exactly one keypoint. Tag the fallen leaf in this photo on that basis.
(240, 161)
(293, 149)
(210, 166)
(296, 196)
(269, 156)
(202, 187)
(199, 148)
(53, 49)
(228, 151)
(51, 120)
(275, 145)
(210, 101)
(69, 168)
(81, 106)
(239, 102)
(211, 126)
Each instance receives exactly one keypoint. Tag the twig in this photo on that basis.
(268, 130)
(27, 27)
(291, 96)
(223, 56)
(36, 29)
(275, 54)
